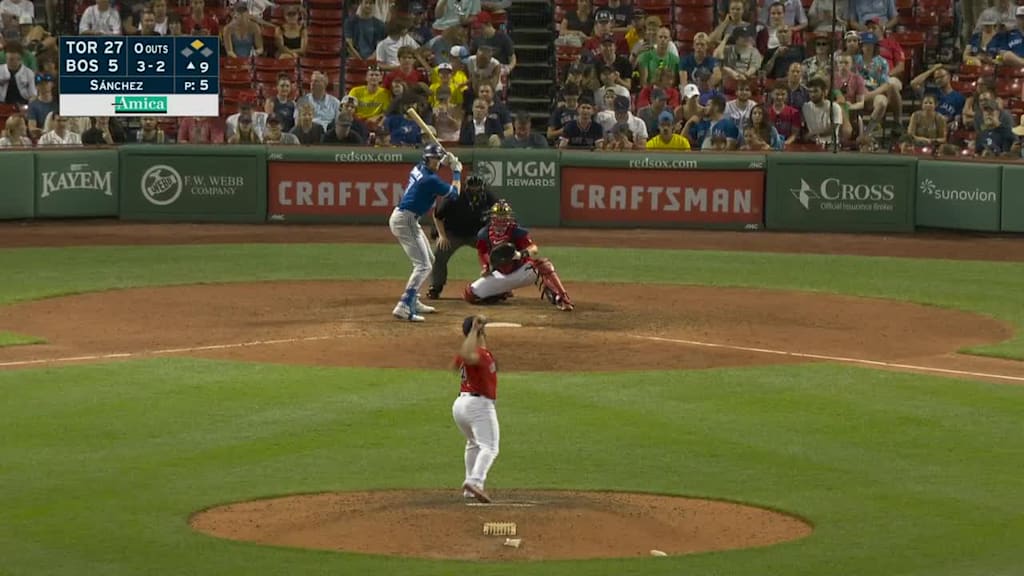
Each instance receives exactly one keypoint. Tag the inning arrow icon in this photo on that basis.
(190, 66)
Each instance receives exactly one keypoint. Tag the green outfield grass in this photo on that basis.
(991, 288)
(902, 474)
(12, 339)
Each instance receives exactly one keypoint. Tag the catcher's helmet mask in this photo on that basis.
(502, 217)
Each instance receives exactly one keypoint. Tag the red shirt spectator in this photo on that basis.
(406, 71)
(786, 119)
(643, 99)
(199, 21)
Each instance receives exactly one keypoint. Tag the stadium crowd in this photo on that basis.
(911, 76)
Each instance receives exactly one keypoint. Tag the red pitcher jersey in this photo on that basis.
(481, 378)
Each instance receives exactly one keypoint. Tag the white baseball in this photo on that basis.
(658, 553)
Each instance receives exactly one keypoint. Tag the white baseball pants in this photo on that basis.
(405, 226)
(477, 419)
(497, 283)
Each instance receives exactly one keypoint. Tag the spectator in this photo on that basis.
(1012, 53)
(447, 116)
(995, 137)
(583, 132)
(257, 121)
(649, 41)
(523, 136)
(292, 36)
(984, 45)
(483, 68)
(864, 10)
(445, 81)
(793, 18)
(100, 20)
(949, 102)
(785, 118)
(401, 130)
(199, 130)
(622, 15)
(373, 99)
(398, 36)
(43, 104)
(306, 130)
(147, 24)
(564, 112)
(760, 133)
(607, 57)
(927, 127)
(667, 139)
(665, 83)
(383, 10)
(17, 81)
(620, 114)
(608, 85)
(276, 134)
(775, 41)
(603, 21)
(159, 8)
(17, 9)
(619, 138)
(363, 32)
(325, 105)
(14, 133)
(607, 101)
(738, 110)
(245, 132)
(501, 45)
(242, 36)
(653, 60)
(635, 32)
(60, 134)
(973, 113)
(798, 93)
(1018, 147)
(579, 23)
(821, 16)
(496, 110)
(342, 134)
(199, 21)
(281, 104)
(256, 8)
(150, 132)
(875, 71)
(448, 13)
(419, 28)
(820, 63)
(733, 20)
(823, 119)
(459, 56)
(890, 50)
(691, 104)
(741, 61)
(441, 45)
(716, 131)
(104, 132)
(650, 113)
(350, 106)
(699, 67)
(1005, 12)
(407, 71)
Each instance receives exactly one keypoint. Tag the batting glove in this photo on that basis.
(455, 164)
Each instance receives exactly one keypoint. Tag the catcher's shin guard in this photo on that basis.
(551, 285)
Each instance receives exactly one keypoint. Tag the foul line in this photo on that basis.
(827, 358)
(164, 351)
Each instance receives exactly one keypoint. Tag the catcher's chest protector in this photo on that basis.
(497, 240)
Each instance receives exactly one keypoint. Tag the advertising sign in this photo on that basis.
(366, 192)
(17, 190)
(959, 195)
(81, 183)
(1013, 199)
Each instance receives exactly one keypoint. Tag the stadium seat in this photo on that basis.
(323, 48)
(268, 64)
(323, 64)
(1009, 88)
(326, 17)
(238, 95)
(332, 32)
(228, 63)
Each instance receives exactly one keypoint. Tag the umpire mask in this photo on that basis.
(475, 189)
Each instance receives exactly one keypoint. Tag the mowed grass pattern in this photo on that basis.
(101, 465)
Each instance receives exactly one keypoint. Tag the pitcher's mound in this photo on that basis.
(551, 525)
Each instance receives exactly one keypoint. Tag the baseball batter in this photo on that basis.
(508, 260)
(474, 410)
(423, 188)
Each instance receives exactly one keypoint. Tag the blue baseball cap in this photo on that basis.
(666, 117)
(868, 38)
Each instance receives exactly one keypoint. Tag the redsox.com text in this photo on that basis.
(648, 162)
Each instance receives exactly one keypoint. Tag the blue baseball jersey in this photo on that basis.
(424, 185)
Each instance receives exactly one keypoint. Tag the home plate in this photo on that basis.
(503, 504)
(504, 325)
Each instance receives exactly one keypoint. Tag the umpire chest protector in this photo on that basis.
(465, 216)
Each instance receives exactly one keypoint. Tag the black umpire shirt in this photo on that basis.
(463, 220)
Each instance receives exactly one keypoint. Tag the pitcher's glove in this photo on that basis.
(503, 254)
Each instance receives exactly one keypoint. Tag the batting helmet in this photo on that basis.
(432, 151)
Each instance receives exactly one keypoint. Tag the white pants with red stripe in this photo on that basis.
(497, 283)
(477, 419)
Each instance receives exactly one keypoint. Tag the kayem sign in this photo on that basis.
(318, 189)
(664, 197)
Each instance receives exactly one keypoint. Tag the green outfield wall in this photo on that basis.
(818, 192)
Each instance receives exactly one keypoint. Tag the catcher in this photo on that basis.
(508, 257)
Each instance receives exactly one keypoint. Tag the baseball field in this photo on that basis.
(200, 399)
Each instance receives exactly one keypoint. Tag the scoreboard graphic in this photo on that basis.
(139, 75)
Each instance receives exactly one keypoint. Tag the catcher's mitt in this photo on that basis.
(503, 254)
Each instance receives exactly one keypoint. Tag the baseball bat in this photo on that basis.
(424, 128)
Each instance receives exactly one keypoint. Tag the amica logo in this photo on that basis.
(835, 190)
(931, 189)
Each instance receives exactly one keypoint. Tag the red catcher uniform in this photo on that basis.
(486, 240)
(476, 416)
